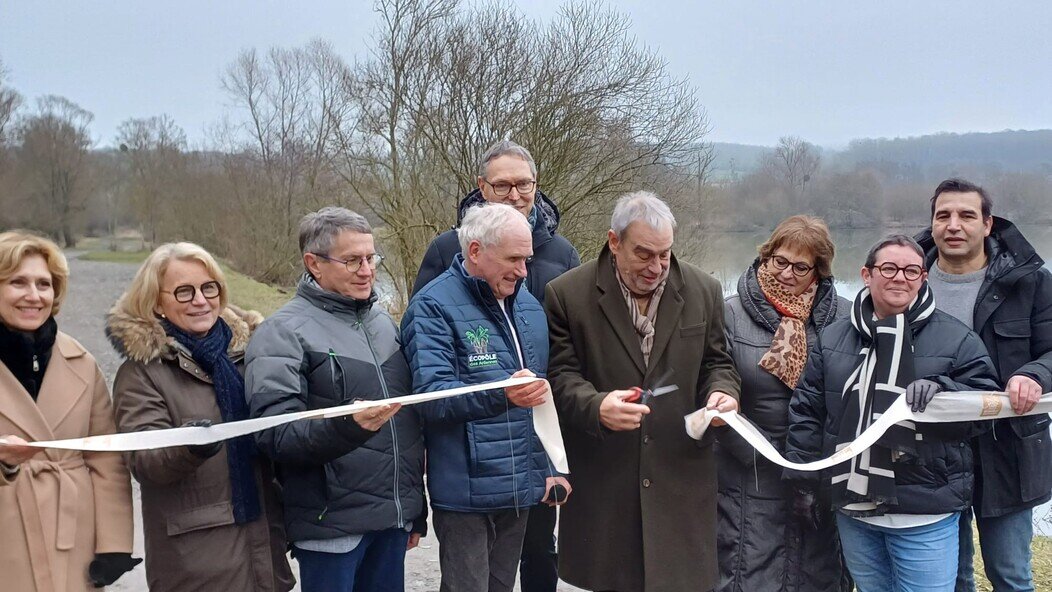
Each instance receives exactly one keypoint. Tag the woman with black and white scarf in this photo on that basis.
(898, 503)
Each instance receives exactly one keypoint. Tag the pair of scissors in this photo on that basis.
(645, 396)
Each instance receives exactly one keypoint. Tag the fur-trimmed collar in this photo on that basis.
(144, 340)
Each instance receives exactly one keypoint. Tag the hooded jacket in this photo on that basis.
(322, 350)
(552, 253)
(483, 454)
(761, 544)
(1013, 316)
(192, 541)
(939, 477)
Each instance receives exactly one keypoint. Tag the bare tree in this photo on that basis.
(795, 162)
(10, 101)
(277, 151)
(54, 145)
(153, 150)
(599, 112)
(382, 153)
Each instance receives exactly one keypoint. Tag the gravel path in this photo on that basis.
(94, 287)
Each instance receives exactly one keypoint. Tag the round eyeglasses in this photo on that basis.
(889, 270)
(186, 292)
(799, 269)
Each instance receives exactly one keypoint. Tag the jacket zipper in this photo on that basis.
(36, 364)
(516, 345)
(394, 431)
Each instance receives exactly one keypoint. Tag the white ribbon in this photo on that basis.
(945, 407)
(545, 423)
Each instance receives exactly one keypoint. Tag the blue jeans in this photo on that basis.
(377, 564)
(923, 558)
(1005, 545)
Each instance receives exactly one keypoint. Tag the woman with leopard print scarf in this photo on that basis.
(772, 538)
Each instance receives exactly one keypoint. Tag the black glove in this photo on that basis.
(805, 507)
(203, 450)
(109, 567)
(920, 392)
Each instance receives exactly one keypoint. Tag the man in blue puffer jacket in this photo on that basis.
(486, 467)
(508, 174)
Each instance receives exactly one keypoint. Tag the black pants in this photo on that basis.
(539, 571)
(477, 551)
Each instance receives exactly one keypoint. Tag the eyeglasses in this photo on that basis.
(522, 187)
(799, 269)
(186, 293)
(355, 263)
(889, 270)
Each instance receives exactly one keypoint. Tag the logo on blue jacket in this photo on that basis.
(479, 339)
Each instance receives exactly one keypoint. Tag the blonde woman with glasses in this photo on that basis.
(211, 513)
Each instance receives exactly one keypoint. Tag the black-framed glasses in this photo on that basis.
(889, 270)
(355, 263)
(799, 269)
(186, 292)
(503, 188)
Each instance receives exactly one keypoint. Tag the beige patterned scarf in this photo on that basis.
(643, 323)
(788, 354)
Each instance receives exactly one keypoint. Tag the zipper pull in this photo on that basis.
(36, 364)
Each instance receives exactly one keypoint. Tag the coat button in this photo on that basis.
(996, 297)
(646, 482)
(646, 439)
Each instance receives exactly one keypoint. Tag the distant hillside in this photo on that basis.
(1009, 151)
(1020, 151)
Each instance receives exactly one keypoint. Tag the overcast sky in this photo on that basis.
(828, 71)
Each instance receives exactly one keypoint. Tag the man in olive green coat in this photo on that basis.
(643, 514)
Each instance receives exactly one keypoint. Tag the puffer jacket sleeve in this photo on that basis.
(730, 440)
(807, 416)
(718, 372)
(971, 370)
(431, 266)
(574, 258)
(275, 384)
(1040, 368)
(429, 347)
(139, 406)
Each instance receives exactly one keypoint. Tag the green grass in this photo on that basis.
(1041, 549)
(244, 291)
(248, 293)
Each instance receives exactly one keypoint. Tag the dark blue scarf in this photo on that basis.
(210, 352)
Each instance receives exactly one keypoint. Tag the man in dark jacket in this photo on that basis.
(508, 174)
(643, 514)
(985, 273)
(486, 465)
(353, 489)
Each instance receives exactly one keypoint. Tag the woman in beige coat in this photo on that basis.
(65, 516)
(211, 514)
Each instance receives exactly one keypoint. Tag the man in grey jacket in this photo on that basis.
(353, 488)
